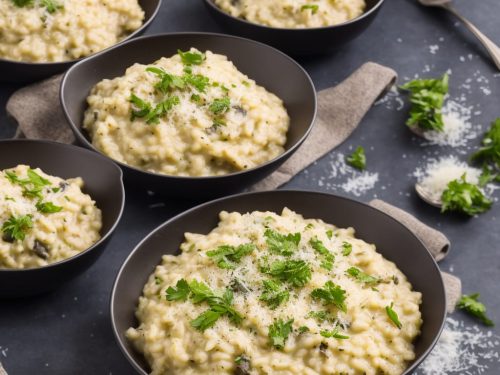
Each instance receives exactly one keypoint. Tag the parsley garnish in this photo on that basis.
(279, 332)
(32, 186)
(152, 115)
(180, 292)
(464, 197)
(472, 305)
(329, 258)
(220, 106)
(167, 81)
(489, 153)
(47, 207)
(227, 256)
(313, 7)
(294, 272)
(51, 5)
(393, 315)
(273, 294)
(427, 98)
(198, 81)
(329, 234)
(15, 228)
(331, 294)
(191, 58)
(357, 159)
(22, 3)
(321, 316)
(282, 244)
(333, 334)
(303, 329)
(346, 248)
(361, 276)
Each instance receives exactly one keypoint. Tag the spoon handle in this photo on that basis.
(491, 47)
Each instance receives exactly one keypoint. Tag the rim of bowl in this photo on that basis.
(118, 277)
(103, 238)
(82, 138)
(377, 5)
(126, 39)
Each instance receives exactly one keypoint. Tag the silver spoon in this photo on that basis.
(426, 197)
(491, 47)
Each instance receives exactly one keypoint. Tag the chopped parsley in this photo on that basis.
(319, 247)
(464, 197)
(346, 248)
(303, 329)
(15, 228)
(333, 334)
(47, 207)
(274, 294)
(313, 7)
(489, 153)
(152, 115)
(220, 106)
(227, 256)
(180, 292)
(191, 58)
(427, 98)
(488, 175)
(32, 186)
(168, 82)
(279, 332)
(362, 277)
(329, 234)
(331, 294)
(198, 81)
(282, 244)
(357, 159)
(471, 305)
(393, 315)
(295, 272)
(321, 316)
(50, 5)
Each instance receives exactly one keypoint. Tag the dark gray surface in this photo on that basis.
(68, 332)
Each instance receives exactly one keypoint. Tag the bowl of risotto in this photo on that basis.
(298, 27)
(288, 282)
(191, 114)
(41, 38)
(59, 206)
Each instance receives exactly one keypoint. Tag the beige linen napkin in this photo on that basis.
(341, 108)
(2, 371)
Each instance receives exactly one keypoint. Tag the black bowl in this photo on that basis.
(299, 42)
(393, 240)
(23, 72)
(103, 182)
(269, 67)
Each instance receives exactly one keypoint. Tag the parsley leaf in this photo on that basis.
(206, 320)
(361, 276)
(294, 272)
(220, 106)
(321, 316)
(472, 305)
(22, 3)
(487, 176)
(333, 334)
(346, 248)
(357, 159)
(329, 234)
(51, 5)
(167, 81)
(282, 244)
(47, 207)
(198, 81)
(313, 7)
(427, 98)
(273, 295)
(180, 292)
(227, 256)
(191, 58)
(320, 248)
(32, 185)
(464, 197)
(489, 153)
(200, 291)
(393, 315)
(152, 115)
(15, 228)
(279, 332)
(331, 294)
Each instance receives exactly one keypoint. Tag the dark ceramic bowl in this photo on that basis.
(298, 42)
(393, 240)
(103, 182)
(270, 68)
(23, 72)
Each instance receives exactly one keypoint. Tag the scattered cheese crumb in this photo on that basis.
(433, 49)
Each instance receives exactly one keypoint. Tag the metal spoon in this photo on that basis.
(491, 47)
(426, 197)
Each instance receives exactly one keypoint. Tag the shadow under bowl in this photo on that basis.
(102, 181)
(269, 67)
(393, 240)
(24, 72)
(298, 42)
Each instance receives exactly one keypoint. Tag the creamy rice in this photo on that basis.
(59, 220)
(220, 121)
(375, 345)
(293, 13)
(71, 30)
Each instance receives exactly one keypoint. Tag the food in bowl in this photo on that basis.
(267, 293)
(291, 14)
(63, 30)
(192, 114)
(43, 219)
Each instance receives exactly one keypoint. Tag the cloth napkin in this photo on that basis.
(37, 110)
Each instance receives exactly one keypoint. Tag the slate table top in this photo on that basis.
(69, 331)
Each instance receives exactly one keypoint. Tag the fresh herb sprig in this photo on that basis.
(362, 277)
(295, 272)
(274, 294)
(47, 207)
(320, 248)
(464, 197)
(191, 58)
(489, 153)
(16, 227)
(150, 114)
(282, 244)
(357, 159)
(32, 186)
(393, 316)
(279, 332)
(470, 304)
(331, 294)
(227, 256)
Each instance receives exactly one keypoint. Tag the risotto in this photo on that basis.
(62, 30)
(293, 13)
(44, 219)
(264, 293)
(193, 114)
